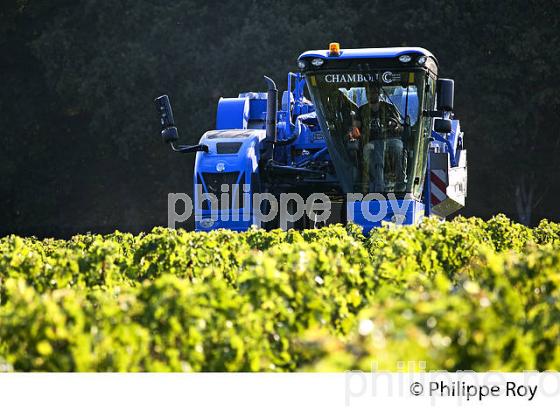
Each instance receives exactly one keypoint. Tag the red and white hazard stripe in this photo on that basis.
(438, 186)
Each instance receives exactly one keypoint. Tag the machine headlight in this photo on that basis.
(405, 58)
(317, 62)
(301, 64)
(421, 60)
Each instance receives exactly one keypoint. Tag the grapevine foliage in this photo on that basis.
(465, 294)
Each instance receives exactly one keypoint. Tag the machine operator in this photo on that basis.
(380, 123)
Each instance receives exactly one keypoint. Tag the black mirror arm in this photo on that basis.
(187, 149)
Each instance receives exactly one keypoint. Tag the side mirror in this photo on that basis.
(169, 132)
(442, 126)
(445, 90)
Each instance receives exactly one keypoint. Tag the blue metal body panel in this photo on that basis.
(427, 187)
(257, 109)
(233, 113)
(451, 143)
(403, 211)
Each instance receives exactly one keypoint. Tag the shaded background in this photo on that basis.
(80, 136)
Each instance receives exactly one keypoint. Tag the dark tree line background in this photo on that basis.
(80, 137)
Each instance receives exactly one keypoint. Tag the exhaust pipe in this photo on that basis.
(271, 112)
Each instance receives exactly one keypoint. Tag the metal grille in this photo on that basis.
(214, 182)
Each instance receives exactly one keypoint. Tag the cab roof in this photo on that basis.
(348, 53)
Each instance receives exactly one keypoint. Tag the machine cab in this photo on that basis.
(370, 104)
